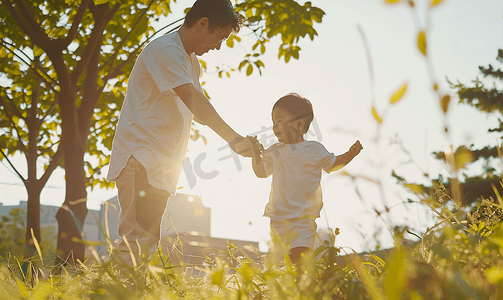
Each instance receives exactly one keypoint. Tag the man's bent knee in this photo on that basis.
(149, 211)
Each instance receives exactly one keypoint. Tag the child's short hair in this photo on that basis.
(297, 106)
(220, 13)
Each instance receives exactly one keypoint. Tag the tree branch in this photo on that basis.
(116, 52)
(32, 29)
(38, 68)
(5, 44)
(12, 166)
(33, 124)
(99, 27)
(49, 111)
(14, 126)
(63, 43)
(118, 70)
(55, 162)
(12, 106)
(89, 97)
(105, 124)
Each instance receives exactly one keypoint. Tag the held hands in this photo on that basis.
(242, 146)
(355, 148)
(246, 147)
(258, 148)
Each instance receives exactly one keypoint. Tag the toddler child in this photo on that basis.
(295, 164)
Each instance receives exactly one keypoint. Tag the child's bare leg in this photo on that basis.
(296, 252)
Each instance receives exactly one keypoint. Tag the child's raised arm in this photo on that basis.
(345, 158)
(257, 164)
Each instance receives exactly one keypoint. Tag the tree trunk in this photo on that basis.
(32, 185)
(72, 214)
(33, 219)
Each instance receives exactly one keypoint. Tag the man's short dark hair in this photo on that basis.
(299, 107)
(220, 13)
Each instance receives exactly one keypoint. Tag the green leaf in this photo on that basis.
(462, 158)
(249, 13)
(415, 188)
(230, 43)
(444, 103)
(22, 289)
(37, 51)
(395, 280)
(495, 275)
(288, 55)
(37, 246)
(254, 19)
(242, 64)
(249, 70)
(398, 94)
(203, 64)
(258, 68)
(99, 2)
(421, 42)
(377, 117)
(217, 278)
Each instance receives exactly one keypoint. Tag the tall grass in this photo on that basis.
(458, 258)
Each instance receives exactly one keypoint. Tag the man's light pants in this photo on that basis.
(141, 210)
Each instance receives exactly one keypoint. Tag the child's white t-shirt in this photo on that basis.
(296, 175)
(154, 123)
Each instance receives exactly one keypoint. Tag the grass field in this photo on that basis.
(458, 258)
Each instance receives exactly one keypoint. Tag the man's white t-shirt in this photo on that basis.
(154, 124)
(296, 175)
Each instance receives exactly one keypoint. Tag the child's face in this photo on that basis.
(286, 127)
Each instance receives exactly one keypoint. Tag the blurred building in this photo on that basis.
(185, 229)
(49, 224)
(48, 218)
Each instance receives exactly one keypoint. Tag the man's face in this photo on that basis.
(212, 40)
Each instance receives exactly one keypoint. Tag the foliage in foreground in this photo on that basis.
(458, 258)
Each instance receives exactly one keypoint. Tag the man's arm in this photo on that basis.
(202, 109)
(345, 158)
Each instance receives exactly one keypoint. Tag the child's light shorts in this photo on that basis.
(296, 232)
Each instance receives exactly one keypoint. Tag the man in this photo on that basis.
(163, 96)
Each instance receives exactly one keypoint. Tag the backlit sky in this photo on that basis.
(333, 73)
